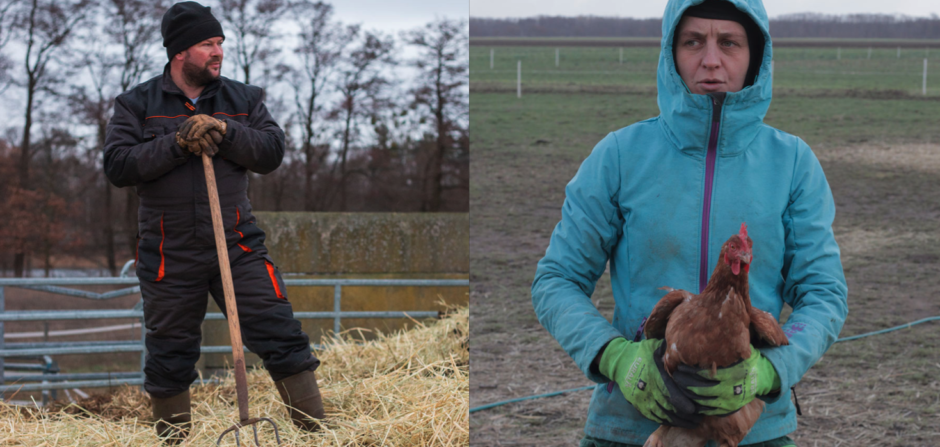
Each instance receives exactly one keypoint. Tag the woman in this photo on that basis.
(658, 198)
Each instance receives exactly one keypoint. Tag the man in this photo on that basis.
(154, 142)
(658, 198)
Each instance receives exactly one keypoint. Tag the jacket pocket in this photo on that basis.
(250, 237)
(276, 281)
(150, 260)
(153, 132)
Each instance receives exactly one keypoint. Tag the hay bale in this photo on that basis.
(408, 388)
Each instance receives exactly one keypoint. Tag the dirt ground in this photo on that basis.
(880, 390)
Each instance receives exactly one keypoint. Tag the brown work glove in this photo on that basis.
(208, 143)
(197, 125)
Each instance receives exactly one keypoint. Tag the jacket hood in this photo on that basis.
(686, 117)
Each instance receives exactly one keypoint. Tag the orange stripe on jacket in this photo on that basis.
(277, 289)
(162, 238)
(238, 218)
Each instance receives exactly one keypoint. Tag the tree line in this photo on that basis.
(359, 136)
(808, 25)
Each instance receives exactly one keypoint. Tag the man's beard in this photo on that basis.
(199, 76)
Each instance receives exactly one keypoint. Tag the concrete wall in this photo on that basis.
(368, 242)
(360, 245)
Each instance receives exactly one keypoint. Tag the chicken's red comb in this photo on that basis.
(743, 233)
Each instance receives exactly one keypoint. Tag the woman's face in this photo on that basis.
(712, 55)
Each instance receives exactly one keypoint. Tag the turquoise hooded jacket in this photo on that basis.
(657, 199)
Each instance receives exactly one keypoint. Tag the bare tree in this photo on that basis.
(7, 19)
(47, 26)
(137, 33)
(61, 179)
(361, 87)
(252, 22)
(321, 45)
(93, 106)
(113, 65)
(444, 73)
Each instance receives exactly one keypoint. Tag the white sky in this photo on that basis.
(654, 8)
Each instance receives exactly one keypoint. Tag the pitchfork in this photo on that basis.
(241, 380)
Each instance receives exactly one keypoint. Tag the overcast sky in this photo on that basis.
(654, 8)
(400, 14)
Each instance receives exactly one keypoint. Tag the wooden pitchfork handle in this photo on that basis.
(231, 310)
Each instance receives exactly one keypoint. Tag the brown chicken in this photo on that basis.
(713, 330)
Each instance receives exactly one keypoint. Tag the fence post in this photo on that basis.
(143, 351)
(337, 296)
(518, 79)
(556, 57)
(491, 58)
(2, 344)
(925, 77)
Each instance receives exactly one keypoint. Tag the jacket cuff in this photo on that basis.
(595, 348)
(775, 356)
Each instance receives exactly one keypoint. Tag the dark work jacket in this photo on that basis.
(141, 151)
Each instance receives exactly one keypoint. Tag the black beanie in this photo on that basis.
(186, 24)
(724, 10)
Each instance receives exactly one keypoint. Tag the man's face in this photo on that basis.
(712, 55)
(202, 63)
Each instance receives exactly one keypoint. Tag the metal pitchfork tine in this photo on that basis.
(254, 428)
(234, 328)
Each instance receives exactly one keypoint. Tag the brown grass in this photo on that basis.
(407, 388)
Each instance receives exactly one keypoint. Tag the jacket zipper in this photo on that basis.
(710, 155)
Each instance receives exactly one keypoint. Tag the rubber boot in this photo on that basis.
(173, 417)
(302, 396)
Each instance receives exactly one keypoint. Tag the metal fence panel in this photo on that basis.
(91, 380)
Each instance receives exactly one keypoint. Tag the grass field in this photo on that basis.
(880, 152)
(810, 69)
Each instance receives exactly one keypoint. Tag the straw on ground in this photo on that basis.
(409, 388)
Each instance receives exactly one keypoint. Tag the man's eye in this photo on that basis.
(729, 43)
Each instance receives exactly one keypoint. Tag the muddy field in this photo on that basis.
(880, 390)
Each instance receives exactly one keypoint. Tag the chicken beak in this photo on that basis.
(745, 258)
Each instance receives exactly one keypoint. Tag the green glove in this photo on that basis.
(732, 387)
(631, 366)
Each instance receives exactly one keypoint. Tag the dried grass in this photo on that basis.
(409, 388)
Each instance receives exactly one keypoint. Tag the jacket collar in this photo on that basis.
(170, 87)
(686, 117)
